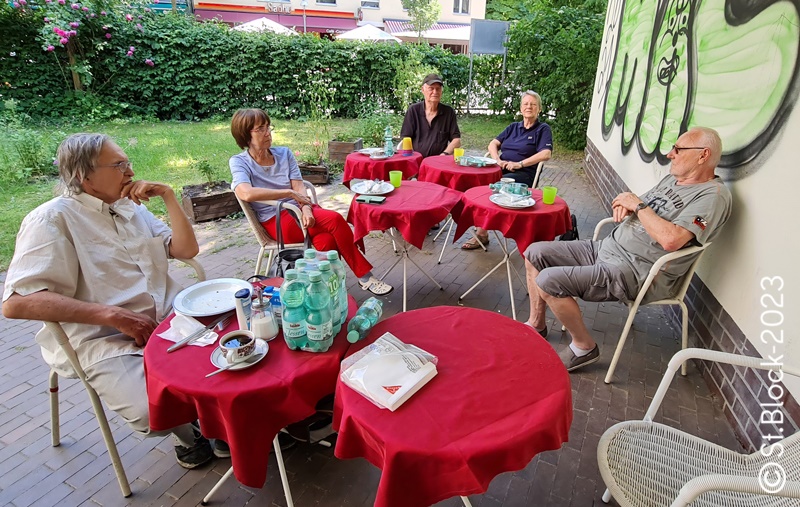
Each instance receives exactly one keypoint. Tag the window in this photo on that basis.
(461, 6)
(371, 4)
(326, 2)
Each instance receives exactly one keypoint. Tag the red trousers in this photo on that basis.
(330, 232)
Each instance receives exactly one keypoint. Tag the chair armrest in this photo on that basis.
(198, 268)
(732, 483)
(292, 208)
(63, 342)
(710, 355)
(602, 223)
(311, 190)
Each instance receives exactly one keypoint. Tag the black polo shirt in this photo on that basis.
(430, 140)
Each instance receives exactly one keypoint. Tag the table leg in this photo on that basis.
(466, 501)
(451, 222)
(507, 261)
(405, 257)
(281, 468)
(447, 222)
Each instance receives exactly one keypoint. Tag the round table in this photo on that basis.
(245, 408)
(500, 397)
(412, 209)
(444, 171)
(358, 165)
(541, 222)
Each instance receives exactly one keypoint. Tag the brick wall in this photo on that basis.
(742, 390)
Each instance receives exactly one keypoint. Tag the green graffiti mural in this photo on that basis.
(731, 65)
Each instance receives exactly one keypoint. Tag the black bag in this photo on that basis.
(573, 234)
(287, 256)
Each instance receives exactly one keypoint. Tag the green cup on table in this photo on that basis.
(549, 195)
(395, 177)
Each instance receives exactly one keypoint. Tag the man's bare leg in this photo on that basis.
(538, 306)
(568, 312)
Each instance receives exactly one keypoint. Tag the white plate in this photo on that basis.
(211, 297)
(370, 151)
(362, 186)
(379, 157)
(504, 202)
(262, 347)
(485, 160)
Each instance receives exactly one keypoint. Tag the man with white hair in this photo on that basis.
(95, 259)
(688, 206)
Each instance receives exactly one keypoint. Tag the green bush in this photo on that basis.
(25, 152)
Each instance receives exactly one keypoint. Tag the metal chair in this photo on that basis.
(539, 168)
(102, 420)
(268, 243)
(644, 463)
(682, 287)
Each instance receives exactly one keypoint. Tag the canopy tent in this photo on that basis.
(369, 33)
(265, 25)
(458, 36)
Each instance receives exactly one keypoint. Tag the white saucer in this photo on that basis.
(505, 202)
(379, 157)
(262, 347)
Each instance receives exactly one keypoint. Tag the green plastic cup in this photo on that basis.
(549, 195)
(395, 177)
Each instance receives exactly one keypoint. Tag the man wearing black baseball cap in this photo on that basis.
(432, 126)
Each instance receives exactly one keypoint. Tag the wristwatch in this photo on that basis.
(640, 207)
(445, 153)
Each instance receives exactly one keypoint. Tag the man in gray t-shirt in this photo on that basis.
(689, 206)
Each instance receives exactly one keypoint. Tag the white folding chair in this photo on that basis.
(644, 463)
(683, 286)
(268, 243)
(539, 168)
(100, 414)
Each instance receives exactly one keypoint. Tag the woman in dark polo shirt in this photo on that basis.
(519, 149)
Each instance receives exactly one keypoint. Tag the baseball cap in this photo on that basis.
(432, 79)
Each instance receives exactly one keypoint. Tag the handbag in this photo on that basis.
(287, 256)
(571, 235)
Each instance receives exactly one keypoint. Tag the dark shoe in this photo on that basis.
(221, 449)
(198, 454)
(542, 333)
(435, 227)
(573, 362)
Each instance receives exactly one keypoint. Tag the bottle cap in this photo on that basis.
(333, 255)
(315, 276)
(324, 266)
(352, 336)
(291, 274)
(242, 293)
(310, 254)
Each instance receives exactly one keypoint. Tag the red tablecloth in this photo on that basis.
(412, 209)
(500, 397)
(443, 170)
(245, 408)
(358, 165)
(542, 222)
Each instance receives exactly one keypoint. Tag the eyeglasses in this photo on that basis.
(122, 167)
(264, 129)
(679, 148)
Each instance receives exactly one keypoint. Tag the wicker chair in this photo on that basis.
(264, 239)
(100, 414)
(676, 300)
(644, 463)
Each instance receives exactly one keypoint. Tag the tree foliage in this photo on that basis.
(423, 14)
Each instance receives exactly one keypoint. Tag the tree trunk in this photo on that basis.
(76, 79)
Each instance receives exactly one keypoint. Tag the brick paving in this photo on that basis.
(33, 473)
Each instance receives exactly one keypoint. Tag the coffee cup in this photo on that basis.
(237, 346)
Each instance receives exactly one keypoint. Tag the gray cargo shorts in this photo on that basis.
(570, 269)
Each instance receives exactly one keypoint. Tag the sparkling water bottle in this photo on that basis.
(388, 146)
(332, 282)
(293, 294)
(338, 267)
(319, 328)
(302, 270)
(363, 321)
(310, 256)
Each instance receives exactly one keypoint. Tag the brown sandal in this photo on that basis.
(472, 243)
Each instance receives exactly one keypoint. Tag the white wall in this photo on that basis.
(713, 83)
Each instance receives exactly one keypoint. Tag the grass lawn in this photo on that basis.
(164, 151)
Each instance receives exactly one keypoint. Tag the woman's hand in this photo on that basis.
(308, 217)
(301, 198)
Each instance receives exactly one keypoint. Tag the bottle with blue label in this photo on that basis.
(338, 267)
(388, 145)
(319, 328)
(293, 294)
(332, 282)
(363, 321)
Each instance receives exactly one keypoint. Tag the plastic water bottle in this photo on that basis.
(276, 307)
(310, 256)
(332, 282)
(293, 294)
(302, 270)
(338, 267)
(388, 148)
(319, 328)
(362, 322)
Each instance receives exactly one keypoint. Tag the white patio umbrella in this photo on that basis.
(265, 25)
(458, 35)
(368, 32)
